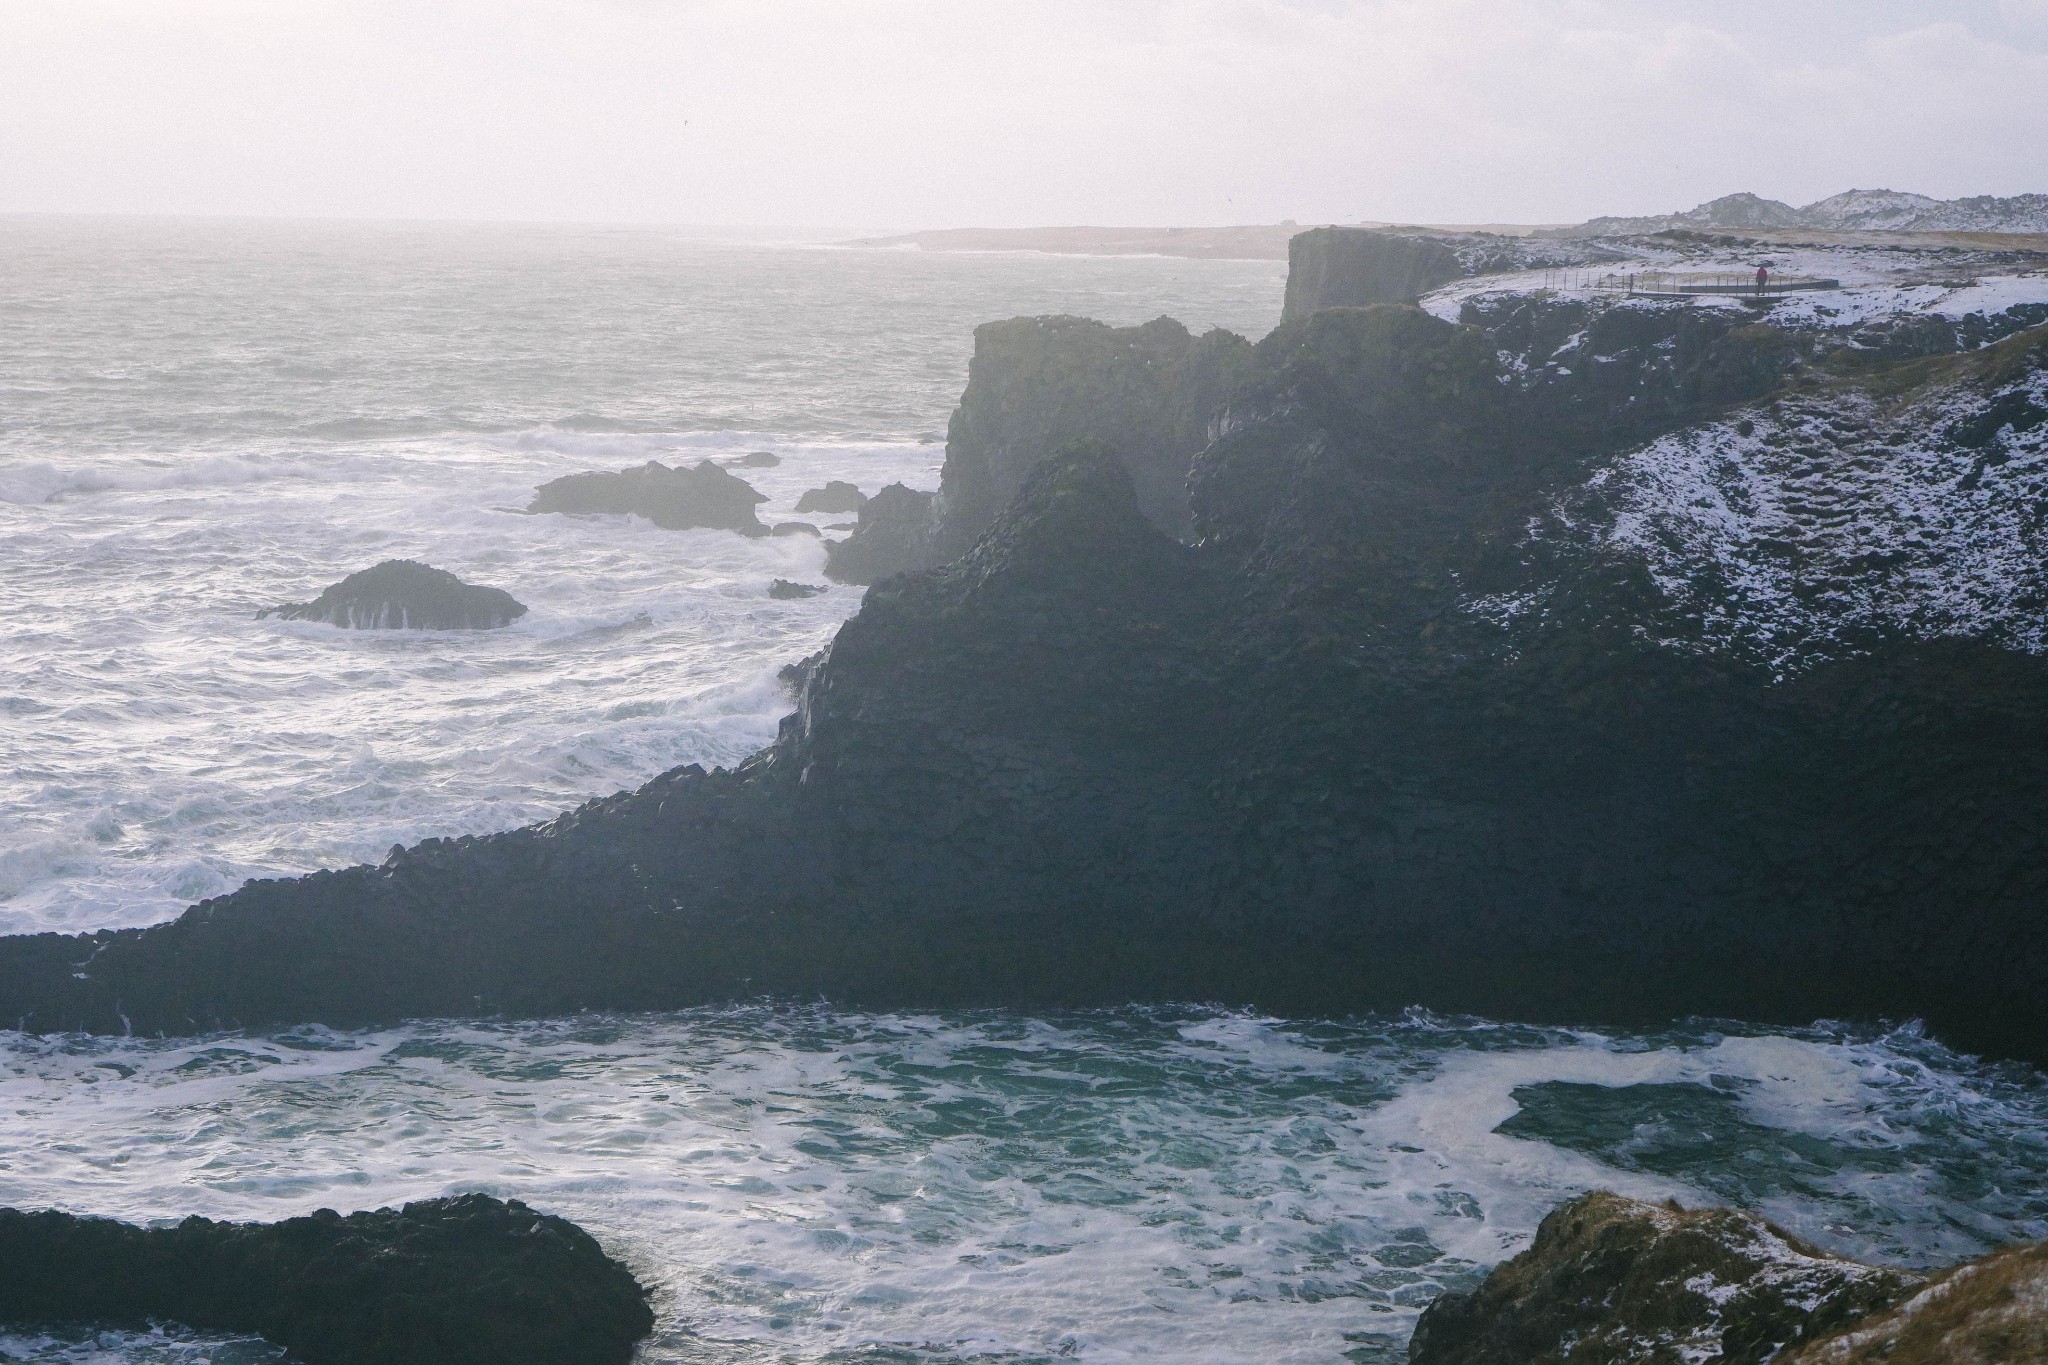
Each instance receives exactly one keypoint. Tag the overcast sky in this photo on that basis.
(937, 113)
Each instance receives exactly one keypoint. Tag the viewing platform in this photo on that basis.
(1672, 284)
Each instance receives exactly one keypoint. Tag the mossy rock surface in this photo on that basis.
(1614, 1281)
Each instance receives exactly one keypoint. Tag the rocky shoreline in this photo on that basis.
(1341, 729)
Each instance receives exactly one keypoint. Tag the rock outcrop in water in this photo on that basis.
(1613, 1281)
(677, 499)
(401, 594)
(836, 496)
(1435, 703)
(440, 1282)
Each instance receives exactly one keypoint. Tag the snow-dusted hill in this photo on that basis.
(1852, 210)
(1896, 487)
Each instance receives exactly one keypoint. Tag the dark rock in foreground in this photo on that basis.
(465, 1281)
(1613, 1281)
(400, 594)
(784, 590)
(836, 496)
(677, 499)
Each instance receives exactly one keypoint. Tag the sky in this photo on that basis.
(945, 113)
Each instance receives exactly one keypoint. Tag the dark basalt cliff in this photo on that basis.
(440, 1282)
(400, 594)
(1293, 763)
(1150, 392)
(1613, 1281)
(1352, 268)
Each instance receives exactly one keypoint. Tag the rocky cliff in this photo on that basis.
(1351, 268)
(1151, 392)
(1374, 733)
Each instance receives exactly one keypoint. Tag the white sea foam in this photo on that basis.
(1138, 1185)
(1195, 1186)
(166, 744)
(319, 398)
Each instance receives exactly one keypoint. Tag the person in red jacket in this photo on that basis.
(1763, 279)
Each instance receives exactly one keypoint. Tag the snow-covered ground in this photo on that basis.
(1802, 527)
(1798, 529)
(1875, 283)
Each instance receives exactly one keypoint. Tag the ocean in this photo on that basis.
(202, 419)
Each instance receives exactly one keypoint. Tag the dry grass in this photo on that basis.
(1989, 1312)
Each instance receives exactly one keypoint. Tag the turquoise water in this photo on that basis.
(201, 419)
(1143, 1184)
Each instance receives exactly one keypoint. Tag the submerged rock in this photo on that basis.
(755, 459)
(401, 594)
(464, 1281)
(784, 590)
(836, 496)
(1614, 1281)
(677, 499)
(796, 528)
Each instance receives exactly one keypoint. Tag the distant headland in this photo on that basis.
(1837, 219)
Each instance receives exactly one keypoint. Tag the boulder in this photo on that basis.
(784, 590)
(677, 499)
(402, 594)
(1614, 1281)
(463, 1281)
(755, 459)
(836, 496)
(796, 528)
